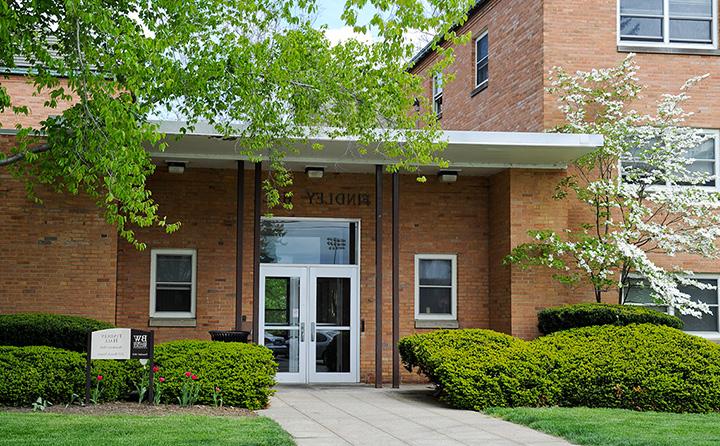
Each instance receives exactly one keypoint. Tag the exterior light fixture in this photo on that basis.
(176, 166)
(448, 176)
(314, 172)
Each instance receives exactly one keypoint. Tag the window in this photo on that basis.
(638, 293)
(674, 23)
(172, 283)
(437, 91)
(435, 286)
(704, 156)
(481, 60)
(310, 241)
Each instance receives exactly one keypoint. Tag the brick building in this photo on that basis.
(309, 283)
(500, 86)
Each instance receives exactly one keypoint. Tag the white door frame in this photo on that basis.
(307, 325)
(287, 271)
(351, 272)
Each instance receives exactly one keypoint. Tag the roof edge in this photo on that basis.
(427, 50)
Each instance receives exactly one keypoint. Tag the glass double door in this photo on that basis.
(309, 318)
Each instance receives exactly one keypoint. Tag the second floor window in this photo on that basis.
(481, 60)
(437, 92)
(682, 23)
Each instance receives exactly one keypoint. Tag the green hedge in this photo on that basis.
(565, 317)
(427, 351)
(245, 373)
(29, 373)
(641, 367)
(54, 330)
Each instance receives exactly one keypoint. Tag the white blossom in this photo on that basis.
(647, 202)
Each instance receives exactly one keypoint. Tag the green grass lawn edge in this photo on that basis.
(121, 430)
(617, 427)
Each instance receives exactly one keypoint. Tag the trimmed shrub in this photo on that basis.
(476, 368)
(513, 376)
(245, 373)
(29, 373)
(428, 350)
(565, 317)
(640, 367)
(54, 330)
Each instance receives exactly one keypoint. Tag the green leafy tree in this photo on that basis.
(256, 70)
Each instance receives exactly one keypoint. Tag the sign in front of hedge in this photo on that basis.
(244, 372)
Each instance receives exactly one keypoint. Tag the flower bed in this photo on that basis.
(187, 372)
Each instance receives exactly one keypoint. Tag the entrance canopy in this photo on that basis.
(479, 153)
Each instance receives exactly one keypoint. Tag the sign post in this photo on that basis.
(119, 343)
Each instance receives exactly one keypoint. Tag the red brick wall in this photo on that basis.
(513, 99)
(499, 242)
(22, 92)
(204, 201)
(581, 35)
(435, 218)
(532, 207)
(59, 256)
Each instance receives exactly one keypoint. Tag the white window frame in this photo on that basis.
(153, 284)
(453, 291)
(712, 134)
(713, 335)
(437, 92)
(666, 32)
(477, 60)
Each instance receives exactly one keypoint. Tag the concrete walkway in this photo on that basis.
(363, 415)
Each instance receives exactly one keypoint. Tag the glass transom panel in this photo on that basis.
(309, 242)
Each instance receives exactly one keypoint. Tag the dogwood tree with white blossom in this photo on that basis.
(645, 195)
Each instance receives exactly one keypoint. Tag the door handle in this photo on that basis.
(302, 332)
(312, 331)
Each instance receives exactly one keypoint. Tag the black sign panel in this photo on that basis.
(140, 344)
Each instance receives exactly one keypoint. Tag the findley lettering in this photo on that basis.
(337, 198)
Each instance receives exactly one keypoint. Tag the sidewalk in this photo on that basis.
(363, 415)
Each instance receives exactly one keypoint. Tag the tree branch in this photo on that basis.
(20, 156)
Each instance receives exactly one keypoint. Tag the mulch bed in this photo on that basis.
(127, 408)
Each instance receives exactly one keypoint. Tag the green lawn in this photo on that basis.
(116, 430)
(615, 427)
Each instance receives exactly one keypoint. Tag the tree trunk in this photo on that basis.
(598, 295)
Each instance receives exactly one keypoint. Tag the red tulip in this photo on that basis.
(99, 377)
(188, 374)
(161, 379)
(194, 377)
(156, 369)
